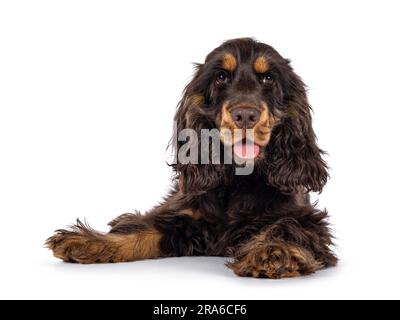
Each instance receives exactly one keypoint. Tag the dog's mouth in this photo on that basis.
(246, 150)
(245, 146)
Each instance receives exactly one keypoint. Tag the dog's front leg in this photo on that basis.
(166, 231)
(82, 244)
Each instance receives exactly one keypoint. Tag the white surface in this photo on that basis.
(87, 94)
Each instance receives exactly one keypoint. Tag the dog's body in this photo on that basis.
(263, 221)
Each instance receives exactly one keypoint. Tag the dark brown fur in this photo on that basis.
(263, 222)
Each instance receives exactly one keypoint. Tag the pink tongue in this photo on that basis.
(246, 150)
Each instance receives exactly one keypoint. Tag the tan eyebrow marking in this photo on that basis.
(229, 62)
(261, 65)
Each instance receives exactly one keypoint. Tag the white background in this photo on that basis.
(88, 90)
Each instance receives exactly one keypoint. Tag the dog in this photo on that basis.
(263, 222)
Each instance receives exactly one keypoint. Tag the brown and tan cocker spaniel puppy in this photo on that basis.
(263, 221)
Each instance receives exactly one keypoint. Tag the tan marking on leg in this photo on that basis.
(88, 246)
(140, 246)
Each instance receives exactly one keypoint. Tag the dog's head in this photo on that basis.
(246, 86)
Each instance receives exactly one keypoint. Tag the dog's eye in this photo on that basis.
(266, 78)
(221, 77)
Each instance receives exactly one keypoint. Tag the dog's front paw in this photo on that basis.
(81, 245)
(71, 247)
(275, 261)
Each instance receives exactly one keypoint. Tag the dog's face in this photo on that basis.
(246, 86)
(243, 83)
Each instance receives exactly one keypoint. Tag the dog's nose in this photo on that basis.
(245, 118)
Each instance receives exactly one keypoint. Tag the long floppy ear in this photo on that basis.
(294, 161)
(195, 178)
